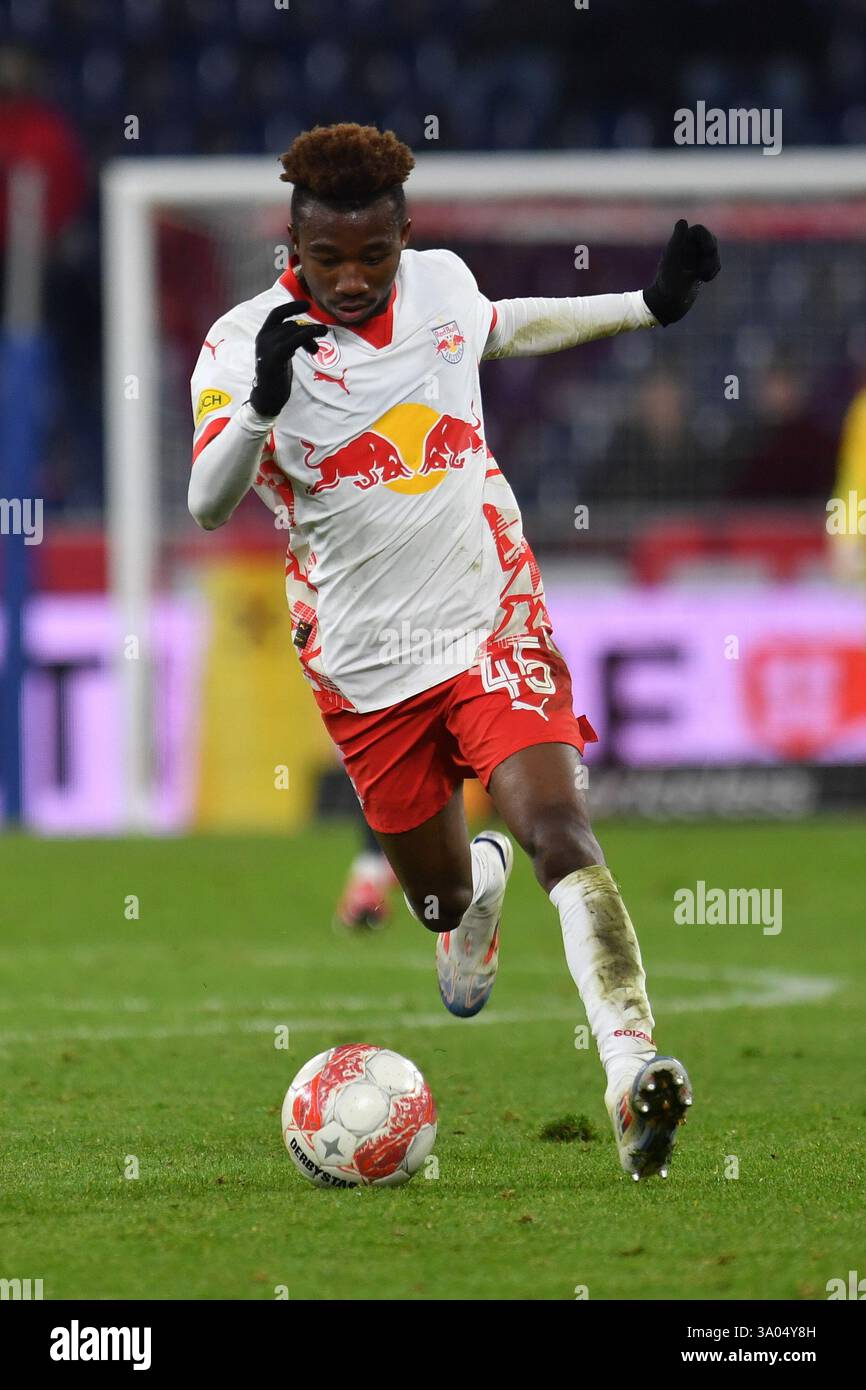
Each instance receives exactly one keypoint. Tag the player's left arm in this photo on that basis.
(532, 327)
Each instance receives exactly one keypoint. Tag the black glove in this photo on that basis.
(690, 257)
(278, 338)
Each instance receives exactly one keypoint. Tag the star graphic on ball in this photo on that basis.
(332, 1146)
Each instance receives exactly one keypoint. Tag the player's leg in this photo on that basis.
(408, 774)
(515, 725)
(537, 794)
(411, 798)
(456, 888)
(434, 865)
(535, 791)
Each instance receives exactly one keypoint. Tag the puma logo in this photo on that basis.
(338, 380)
(537, 709)
(213, 346)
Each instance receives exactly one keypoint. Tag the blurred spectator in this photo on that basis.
(34, 132)
(654, 455)
(784, 452)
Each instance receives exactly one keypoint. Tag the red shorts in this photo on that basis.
(405, 761)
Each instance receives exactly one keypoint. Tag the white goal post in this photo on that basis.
(133, 190)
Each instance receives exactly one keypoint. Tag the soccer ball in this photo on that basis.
(359, 1114)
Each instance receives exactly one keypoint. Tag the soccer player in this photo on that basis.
(848, 540)
(347, 395)
(364, 904)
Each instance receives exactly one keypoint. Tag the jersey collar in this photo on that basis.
(377, 331)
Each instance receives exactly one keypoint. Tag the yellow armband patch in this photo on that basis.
(209, 400)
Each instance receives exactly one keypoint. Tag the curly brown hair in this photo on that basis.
(347, 162)
(346, 166)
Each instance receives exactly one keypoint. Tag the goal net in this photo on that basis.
(655, 437)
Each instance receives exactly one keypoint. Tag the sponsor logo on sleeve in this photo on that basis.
(210, 399)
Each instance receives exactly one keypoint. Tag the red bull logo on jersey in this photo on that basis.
(449, 341)
(409, 449)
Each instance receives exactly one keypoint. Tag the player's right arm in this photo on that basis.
(233, 419)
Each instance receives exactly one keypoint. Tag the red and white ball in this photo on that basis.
(359, 1114)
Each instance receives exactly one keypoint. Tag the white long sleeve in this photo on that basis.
(532, 327)
(226, 467)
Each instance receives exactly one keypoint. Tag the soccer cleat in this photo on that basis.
(467, 958)
(364, 905)
(645, 1116)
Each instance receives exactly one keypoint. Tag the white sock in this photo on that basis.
(484, 876)
(605, 962)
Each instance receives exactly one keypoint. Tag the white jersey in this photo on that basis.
(406, 559)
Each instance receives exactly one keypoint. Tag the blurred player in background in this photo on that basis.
(846, 520)
(348, 394)
(365, 902)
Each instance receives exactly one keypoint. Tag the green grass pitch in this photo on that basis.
(153, 1039)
